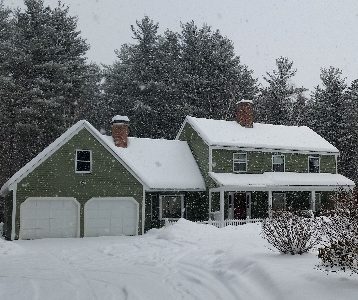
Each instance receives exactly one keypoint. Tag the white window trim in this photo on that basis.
(319, 163)
(83, 172)
(279, 193)
(161, 206)
(236, 160)
(284, 161)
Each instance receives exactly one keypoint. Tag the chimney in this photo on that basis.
(120, 129)
(245, 113)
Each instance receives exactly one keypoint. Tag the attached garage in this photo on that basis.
(54, 217)
(111, 216)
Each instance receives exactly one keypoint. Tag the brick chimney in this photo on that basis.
(120, 129)
(245, 113)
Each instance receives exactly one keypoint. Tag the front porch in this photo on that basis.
(256, 196)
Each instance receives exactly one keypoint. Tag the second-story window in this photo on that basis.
(313, 164)
(239, 162)
(83, 163)
(278, 163)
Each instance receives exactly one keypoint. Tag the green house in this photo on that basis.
(88, 184)
(251, 169)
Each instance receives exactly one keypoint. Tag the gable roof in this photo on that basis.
(261, 136)
(161, 164)
(164, 156)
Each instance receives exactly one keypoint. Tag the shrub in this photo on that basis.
(340, 251)
(291, 233)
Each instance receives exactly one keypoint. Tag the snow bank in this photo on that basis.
(9, 248)
(182, 261)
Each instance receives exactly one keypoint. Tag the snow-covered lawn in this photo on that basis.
(184, 261)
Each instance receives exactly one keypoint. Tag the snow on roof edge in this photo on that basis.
(192, 121)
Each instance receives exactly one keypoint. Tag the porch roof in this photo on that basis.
(281, 181)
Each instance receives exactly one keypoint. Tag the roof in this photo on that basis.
(173, 161)
(161, 164)
(261, 136)
(281, 179)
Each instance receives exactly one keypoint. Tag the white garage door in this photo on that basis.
(49, 217)
(111, 216)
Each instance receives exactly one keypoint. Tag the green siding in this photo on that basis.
(56, 177)
(260, 162)
(200, 152)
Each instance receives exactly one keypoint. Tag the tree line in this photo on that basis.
(47, 84)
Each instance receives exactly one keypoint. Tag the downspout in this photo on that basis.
(143, 210)
(13, 216)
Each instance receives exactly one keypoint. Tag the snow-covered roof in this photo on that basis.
(157, 164)
(161, 164)
(281, 179)
(261, 136)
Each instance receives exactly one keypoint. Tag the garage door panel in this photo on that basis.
(49, 217)
(111, 216)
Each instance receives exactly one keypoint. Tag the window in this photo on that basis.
(278, 201)
(171, 207)
(83, 161)
(313, 164)
(278, 163)
(239, 162)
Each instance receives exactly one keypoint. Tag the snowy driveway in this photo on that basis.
(185, 261)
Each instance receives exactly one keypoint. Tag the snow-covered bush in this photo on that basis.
(290, 232)
(341, 234)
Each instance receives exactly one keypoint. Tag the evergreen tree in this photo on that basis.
(213, 77)
(275, 102)
(49, 73)
(333, 117)
(9, 106)
(161, 78)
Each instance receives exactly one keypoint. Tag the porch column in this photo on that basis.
(313, 201)
(209, 203)
(270, 204)
(222, 205)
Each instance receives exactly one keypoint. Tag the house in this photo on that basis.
(251, 169)
(89, 184)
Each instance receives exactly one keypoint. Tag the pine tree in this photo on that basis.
(49, 74)
(334, 117)
(213, 77)
(9, 106)
(161, 78)
(275, 102)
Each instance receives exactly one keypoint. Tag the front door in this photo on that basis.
(239, 205)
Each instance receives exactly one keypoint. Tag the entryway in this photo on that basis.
(239, 205)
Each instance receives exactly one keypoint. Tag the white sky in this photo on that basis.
(313, 34)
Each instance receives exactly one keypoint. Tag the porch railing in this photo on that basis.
(220, 224)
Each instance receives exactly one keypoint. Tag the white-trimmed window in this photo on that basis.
(278, 201)
(313, 164)
(83, 161)
(171, 207)
(278, 163)
(239, 162)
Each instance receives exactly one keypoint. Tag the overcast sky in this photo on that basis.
(313, 34)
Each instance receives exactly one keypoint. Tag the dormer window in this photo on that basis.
(239, 162)
(278, 163)
(83, 162)
(313, 164)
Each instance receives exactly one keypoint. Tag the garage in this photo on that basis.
(55, 217)
(111, 216)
